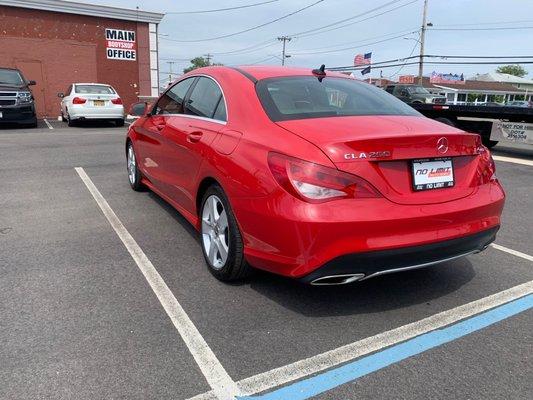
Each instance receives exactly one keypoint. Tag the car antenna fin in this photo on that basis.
(320, 72)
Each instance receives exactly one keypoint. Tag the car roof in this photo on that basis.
(91, 83)
(264, 71)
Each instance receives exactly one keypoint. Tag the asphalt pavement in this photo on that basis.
(81, 320)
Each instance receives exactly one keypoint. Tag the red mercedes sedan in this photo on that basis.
(312, 175)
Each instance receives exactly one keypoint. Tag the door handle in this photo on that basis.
(160, 127)
(194, 137)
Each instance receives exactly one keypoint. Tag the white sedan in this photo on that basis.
(91, 101)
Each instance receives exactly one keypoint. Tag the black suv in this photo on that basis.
(414, 94)
(16, 99)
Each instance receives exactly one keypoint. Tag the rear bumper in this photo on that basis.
(82, 112)
(292, 238)
(371, 264)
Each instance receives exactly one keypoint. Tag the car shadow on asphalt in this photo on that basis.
(387, 292)
(176, 216)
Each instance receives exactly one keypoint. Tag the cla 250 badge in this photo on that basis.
(371, 154)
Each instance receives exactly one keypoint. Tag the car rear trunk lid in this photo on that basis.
(381, 149)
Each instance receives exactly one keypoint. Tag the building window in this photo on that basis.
(461, 97)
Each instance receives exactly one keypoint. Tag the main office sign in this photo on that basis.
(121, 44)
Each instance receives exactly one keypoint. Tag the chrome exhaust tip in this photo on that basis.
(330, 280)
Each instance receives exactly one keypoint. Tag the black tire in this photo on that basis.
(136, 182)
(119, 122)
(445, 121)
(235, 268)
(70, 122)
(487, 142)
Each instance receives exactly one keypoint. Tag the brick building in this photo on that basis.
(57, 42)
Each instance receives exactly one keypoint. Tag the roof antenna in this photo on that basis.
(320, 72)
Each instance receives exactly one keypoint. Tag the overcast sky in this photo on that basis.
(358, 37)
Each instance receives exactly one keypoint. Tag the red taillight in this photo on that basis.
(118, 100)
(79, 100)
(486, 170)
(316, 183)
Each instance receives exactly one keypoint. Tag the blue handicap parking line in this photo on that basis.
(333, 378)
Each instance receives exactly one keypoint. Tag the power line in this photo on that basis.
(313, 33)
(353, 47)
(349, 18)
(249, 29)
(353, 68)
(403, 66)
(404, 32)
(482, 29)
(222, 9)
(489, 23)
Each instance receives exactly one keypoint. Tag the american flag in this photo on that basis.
(362, 59)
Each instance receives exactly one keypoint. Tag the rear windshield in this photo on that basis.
(11, 77)
(303, 97)
(94, 89)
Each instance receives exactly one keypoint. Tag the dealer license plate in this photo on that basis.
(99, 103)
(433, 174)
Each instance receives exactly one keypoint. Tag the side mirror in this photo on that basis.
(31, 83)
(139, 109)
(61, 95)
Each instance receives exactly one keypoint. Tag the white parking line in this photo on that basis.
(224, 388)
(513, 160)
(48, 123)
(513, 252)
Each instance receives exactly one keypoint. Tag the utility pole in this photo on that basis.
(170, 64)
(208, 57)
(422, 40)
(284, 39)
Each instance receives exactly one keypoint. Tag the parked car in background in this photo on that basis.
(91, 101)
(16, 99)
(519, 103)
(414, 94)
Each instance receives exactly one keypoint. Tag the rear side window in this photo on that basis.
(172, 101)
(301, 97)
(94, 89)
(205, 100)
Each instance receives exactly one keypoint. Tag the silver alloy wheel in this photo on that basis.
(131, 165)
(215, 232)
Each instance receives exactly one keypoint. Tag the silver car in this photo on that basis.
(91, 101)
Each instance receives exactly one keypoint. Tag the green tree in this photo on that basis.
(516, 70)
(199, 62)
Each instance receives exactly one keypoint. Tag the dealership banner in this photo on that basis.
(120, 44)
(455, 79)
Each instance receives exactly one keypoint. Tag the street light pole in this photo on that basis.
(422, 40)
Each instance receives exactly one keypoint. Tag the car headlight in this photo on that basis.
(429, 99)
(24, 97)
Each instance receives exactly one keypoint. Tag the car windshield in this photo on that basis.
(417, 90)
(11, 77)
(94, 89)
(300, 97)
